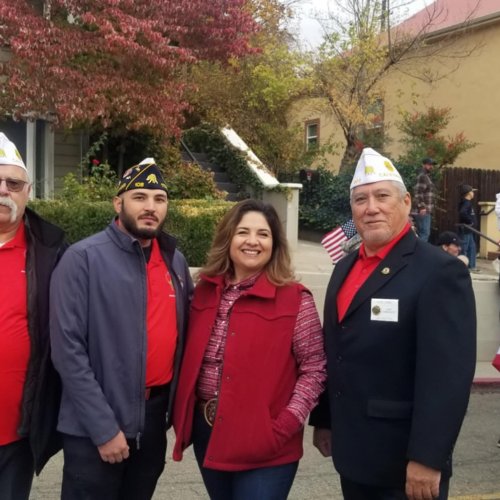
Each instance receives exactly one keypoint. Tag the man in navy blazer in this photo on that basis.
(400, 326)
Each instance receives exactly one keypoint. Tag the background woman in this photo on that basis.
(254, 363)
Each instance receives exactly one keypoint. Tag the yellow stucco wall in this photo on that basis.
(471, 88)
(307, 110)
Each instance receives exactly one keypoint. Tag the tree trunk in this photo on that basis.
(351, 156)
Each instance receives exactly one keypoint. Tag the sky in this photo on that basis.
(310, 30)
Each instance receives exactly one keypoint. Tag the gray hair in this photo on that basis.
(400, 187)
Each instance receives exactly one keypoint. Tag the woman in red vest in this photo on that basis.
(254, 363)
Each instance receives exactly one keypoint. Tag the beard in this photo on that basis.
(141, 233)
(7, 202)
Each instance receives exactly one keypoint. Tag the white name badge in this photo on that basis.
(385, 310)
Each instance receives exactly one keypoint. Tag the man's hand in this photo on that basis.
(115, 450)
(322, 439)
(422, 482)
(422, 211)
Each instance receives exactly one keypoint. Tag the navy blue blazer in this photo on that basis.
(400, 369)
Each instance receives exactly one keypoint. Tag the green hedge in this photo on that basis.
(324, 201)
(192, 222)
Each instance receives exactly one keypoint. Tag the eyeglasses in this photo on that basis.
(14, 185)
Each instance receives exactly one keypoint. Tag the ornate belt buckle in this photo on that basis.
(209, 409)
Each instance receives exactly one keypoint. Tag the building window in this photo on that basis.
(312, 135)
(376, 111)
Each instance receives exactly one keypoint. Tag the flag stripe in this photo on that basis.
(333, 240)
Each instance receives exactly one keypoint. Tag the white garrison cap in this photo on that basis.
(9, 155)
(373, 167)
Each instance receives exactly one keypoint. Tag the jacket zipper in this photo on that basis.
(143, 353)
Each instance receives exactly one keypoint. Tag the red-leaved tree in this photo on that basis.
(113, 62)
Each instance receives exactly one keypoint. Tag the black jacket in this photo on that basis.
(466, 215)
(398, 383)
(42, 389)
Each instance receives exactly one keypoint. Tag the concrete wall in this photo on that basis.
(487, 294)
(286, 204)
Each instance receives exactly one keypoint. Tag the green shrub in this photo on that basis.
(324, 202)
(189, 181)
(78, 218)
(100, 185)
(192, 222)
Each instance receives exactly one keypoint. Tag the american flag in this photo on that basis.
(332, 241)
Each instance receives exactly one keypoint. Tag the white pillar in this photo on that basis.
(48, 161)
(286, 203)
(30, 160)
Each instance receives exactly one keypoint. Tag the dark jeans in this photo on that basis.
(469, 248)
(357, 491)
(87, 477)
(16, 470)
(266, 483)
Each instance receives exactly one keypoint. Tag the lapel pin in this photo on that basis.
(386, 270)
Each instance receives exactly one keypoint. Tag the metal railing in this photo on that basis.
(479, 233)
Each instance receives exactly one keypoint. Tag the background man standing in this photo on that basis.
(121, 300)
(400, 341)
(467, 217)
(29, 385)
(424, 193)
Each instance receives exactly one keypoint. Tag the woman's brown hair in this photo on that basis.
(278, 269)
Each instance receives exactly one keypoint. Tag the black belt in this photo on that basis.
(156, 390)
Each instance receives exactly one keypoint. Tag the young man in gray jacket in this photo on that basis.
(120, 302)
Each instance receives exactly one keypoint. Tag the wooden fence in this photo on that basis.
(487, 183)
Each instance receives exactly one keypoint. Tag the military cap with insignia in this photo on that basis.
(373, 167)
(145, 175)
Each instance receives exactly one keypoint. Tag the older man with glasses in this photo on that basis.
(29, 386)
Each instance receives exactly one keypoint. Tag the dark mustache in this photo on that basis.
(149, 215)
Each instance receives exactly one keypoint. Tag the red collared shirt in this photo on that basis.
(14, 336)
(161, 321)
(361, 271)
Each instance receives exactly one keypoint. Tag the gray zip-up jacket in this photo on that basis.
(98, 332)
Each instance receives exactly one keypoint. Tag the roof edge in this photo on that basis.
(467, 25)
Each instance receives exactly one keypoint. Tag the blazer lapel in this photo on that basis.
(339, 274)
(395, 261)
